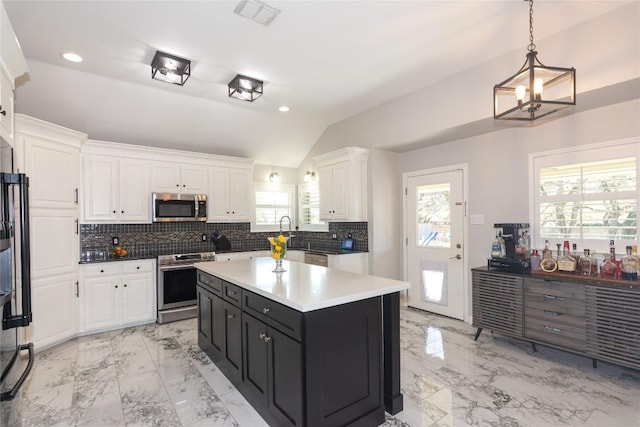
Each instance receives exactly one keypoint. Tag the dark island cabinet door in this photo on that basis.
(233, 340)
(217, 327)
(284, 378)
(204, 319)
(254, 333)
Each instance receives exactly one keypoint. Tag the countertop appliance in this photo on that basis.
(15, 284)
(169, 207)
(177, 278)
(512, 262)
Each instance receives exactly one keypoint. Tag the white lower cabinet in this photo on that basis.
(119, 293)
(54, 305)
(355, 263)
(293, 255)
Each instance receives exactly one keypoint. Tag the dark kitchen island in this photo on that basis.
(312, 346)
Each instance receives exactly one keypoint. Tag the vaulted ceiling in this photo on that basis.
(326, 60)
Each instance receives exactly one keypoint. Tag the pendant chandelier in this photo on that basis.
(536, 90)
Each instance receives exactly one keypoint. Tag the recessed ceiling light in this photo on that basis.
(73, 57)
(283, 109)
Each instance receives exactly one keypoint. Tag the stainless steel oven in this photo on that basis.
(177, 285)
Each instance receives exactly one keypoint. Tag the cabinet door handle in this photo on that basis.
(76, 199)
(267, 338)
(77, 225)
(552, 296)
(77, 289)
(262, 336)
(230, 316)
(231, 293)
(266, 310)
(553, 313)
(553, 329)
(3, 112)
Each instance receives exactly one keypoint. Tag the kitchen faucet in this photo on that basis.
(287, 217)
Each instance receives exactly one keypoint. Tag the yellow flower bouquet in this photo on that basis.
(278, 250)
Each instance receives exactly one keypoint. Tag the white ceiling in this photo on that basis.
(326, 60)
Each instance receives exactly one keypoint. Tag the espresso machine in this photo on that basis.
(517, 258)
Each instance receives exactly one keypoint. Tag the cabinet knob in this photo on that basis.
(138, 268)
(266, 310)
(121, 211)
(231, 292)
(101, 271)
(230, 316)
(125, 285)
(116, 286)
(262, 336)
(177, 185)
(3, 112)
(267, 339)
(114, 211)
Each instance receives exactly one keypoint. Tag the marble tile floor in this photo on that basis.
(156, 375)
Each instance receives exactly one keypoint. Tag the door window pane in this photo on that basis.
(433, 214)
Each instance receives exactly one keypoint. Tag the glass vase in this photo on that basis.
(279, 268)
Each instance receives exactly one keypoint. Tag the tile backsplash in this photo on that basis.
(186, 237)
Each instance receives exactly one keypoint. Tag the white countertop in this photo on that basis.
(302, 287)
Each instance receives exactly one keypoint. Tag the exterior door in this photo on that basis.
(435, 241)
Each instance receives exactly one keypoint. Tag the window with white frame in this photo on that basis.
(587, 195)
(272, 202)
(309, 208)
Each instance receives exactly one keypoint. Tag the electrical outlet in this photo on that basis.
(334, 236)
(204, 237)
(115, 241)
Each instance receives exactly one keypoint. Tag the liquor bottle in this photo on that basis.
(616, 263)
(503, 246)
(585, 263)
(566, 262)
(629, 265)
(520, 249)
(535, 260)
(496, 249)
(527, 244)
(576, 255)
(547, 263)
(608, 268)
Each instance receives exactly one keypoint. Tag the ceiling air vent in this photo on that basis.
(257, 11)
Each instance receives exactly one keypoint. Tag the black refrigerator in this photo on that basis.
(16, 358)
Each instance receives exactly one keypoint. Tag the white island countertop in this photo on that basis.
(302, 287)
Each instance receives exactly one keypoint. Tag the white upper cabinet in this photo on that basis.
(13, 65)
(229, 194)
(342, 179)
(116, 190)
(178, 178)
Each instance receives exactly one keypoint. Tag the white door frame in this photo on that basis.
(405, 228)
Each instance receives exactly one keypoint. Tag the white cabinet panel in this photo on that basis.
(116, 190)
(117, 294)
(100, 186)
(355, 263)
(54, 306)
(178, 178)
(135, 196)
(54, 242)
(54, 173)
(230, 194)
(6, 105)
(342, 180)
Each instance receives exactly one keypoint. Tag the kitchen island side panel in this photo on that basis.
(344, 367)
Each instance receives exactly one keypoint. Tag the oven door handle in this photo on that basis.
(176, 267)
(9, 395)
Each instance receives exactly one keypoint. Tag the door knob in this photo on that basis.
(456, 257)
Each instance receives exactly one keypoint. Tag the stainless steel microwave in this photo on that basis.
(168, 207)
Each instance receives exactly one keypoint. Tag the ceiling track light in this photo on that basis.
(245, 88)
(170, 69)
(536, 90)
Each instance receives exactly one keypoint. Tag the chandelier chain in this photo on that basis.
(532, 45)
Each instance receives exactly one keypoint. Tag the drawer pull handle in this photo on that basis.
(553, 329)
(266, 310)
(552, 296)
(553, 313)
(267, 338)
(231, 293)
(230, 316)
(262, 336)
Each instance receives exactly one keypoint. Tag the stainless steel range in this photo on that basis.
(177, 285)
